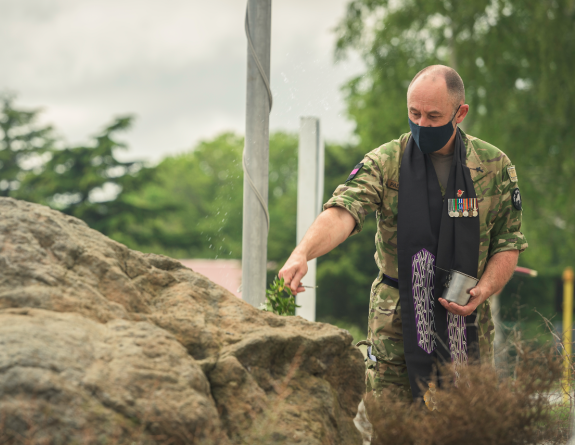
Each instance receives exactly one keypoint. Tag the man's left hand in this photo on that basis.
(478, 296)
(499, 269)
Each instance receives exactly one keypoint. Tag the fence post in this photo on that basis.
(309, 201)
(567, 330)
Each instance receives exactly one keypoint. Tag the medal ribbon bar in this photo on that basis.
(462, 208)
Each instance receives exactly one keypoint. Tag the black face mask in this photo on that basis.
(430, 139)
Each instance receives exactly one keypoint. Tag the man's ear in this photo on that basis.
(463, 110)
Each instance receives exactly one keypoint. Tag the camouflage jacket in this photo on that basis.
(375, 188)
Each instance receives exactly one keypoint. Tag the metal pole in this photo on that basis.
(567, 331)
(500, 361)
(256, 153)
(309, 201)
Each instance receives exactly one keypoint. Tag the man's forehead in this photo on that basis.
(429, 85)
(428, 91)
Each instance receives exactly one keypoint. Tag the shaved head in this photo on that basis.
(455, 87)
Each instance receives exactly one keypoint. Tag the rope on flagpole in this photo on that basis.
(267, 85)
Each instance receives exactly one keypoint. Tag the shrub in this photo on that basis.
(479, 408)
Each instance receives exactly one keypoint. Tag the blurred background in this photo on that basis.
(130, 116)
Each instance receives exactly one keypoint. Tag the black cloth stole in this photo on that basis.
(427, 237)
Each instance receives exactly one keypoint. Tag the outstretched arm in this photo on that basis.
(329, 230)
(498, 271)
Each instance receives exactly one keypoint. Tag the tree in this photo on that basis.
(24, 144)
(86, 181)
(511, 56)
(201, 193)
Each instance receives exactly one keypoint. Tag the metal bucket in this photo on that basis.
(458, 287)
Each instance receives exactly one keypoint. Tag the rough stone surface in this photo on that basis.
(102, 344)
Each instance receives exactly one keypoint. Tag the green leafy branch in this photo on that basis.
(276, 301)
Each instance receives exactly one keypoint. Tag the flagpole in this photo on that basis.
(255, 160)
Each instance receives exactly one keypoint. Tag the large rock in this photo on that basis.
(102, 344)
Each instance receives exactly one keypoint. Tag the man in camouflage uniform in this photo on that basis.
(433, 97)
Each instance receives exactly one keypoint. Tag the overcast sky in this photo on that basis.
(178, 65)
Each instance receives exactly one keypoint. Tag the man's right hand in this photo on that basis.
(330, 229)
(293, 271)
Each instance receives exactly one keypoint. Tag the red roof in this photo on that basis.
(226, 273)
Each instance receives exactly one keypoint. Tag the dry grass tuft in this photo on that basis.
(482, 408)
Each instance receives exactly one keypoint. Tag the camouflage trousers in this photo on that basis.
(386, 337)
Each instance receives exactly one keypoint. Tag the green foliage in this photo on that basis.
(276, 301)
(198, 198)
(511, 56)
(85, 181)
(24, 144)
(195, 200)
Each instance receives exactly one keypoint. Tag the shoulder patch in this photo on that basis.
(355, 171)
(393, 185)
(516, 199)
(512, 173)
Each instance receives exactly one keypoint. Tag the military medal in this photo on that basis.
(453, 208)
(462, 208)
